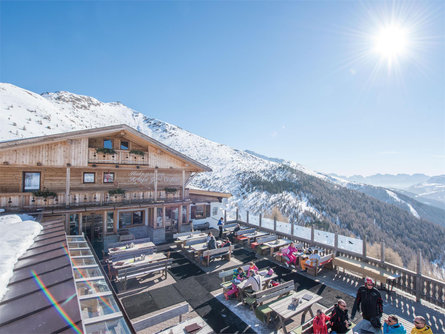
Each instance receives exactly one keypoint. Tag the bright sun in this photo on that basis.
(391, 42)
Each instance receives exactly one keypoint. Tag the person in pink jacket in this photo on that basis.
(319, 324)
(289, 253)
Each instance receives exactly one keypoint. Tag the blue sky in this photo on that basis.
(297, 80)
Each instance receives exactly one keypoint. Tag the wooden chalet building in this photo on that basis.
(108, 182)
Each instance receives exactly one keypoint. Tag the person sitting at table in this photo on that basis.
(226, 243)
(255, 281)
(319, 325)
(233, 233)
(253, 267)
(238, 276)
(289, 253)
(211, 244)
(312, 261)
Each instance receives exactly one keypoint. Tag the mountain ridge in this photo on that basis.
(257, 184)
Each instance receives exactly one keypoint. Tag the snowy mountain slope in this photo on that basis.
(257, 184)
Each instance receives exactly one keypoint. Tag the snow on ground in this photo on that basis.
(17, 233)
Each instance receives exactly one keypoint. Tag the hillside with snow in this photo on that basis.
(257, 184)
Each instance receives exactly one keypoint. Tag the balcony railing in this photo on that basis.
(28, 201)
(121, 157)
(414, 283)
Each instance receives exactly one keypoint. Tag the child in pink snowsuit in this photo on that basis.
(289, 252)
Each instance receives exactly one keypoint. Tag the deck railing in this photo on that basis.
(121, 157)
(412, 282)
(28, 201)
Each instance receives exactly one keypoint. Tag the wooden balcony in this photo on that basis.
(121, 157)
(27, 201)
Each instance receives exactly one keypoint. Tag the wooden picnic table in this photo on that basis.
(128, 263)
(285, 309)
(199, 248)
(183, 239)
(142, 248)
(252, 236)
(276, 244)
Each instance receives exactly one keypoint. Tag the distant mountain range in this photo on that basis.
(257, 183)
(426, 189)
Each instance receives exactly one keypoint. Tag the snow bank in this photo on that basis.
(17, 234)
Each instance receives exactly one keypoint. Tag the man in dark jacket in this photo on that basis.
(339, 318)
(370, 302)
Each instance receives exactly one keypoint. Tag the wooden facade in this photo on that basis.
(97, 177)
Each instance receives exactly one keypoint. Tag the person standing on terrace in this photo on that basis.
(371, 303)
(420, 326)
(339, 318)
(221, 227)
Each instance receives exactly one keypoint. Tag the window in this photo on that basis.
(124, 145)
(108, 177)
(131, 218)
(214, 211)
(108, 143)
(89, 177)
(110, 221)
(31, 181)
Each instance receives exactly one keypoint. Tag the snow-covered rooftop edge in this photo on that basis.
(17, 233)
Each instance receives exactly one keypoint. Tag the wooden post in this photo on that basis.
(247, 217)
(180, 218)
(225, 216)
(261, 220)
(115, 221)
(163, 216)
(275, 224)
(364, 247)
(382, 252)
(155, 217)
(67, 186)
(292, 232)
(312, 234)
(183, 185)
(187, 213)
(335, 243)
(419, 282)
(80, 223)
(156, 185)
(67, 223)
(237, 214)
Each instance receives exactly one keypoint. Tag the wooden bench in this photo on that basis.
(124, 243)
(365, 270)
(259, 299)
(161, 317)
(261, 240)
(125, 235)
(324, 262)
(239, 234)
(183, 234)
(126, 273)
(215, 253)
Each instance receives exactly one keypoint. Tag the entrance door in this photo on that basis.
(92, 226)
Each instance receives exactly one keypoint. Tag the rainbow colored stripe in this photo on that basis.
(54, 303)
(106, 302)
